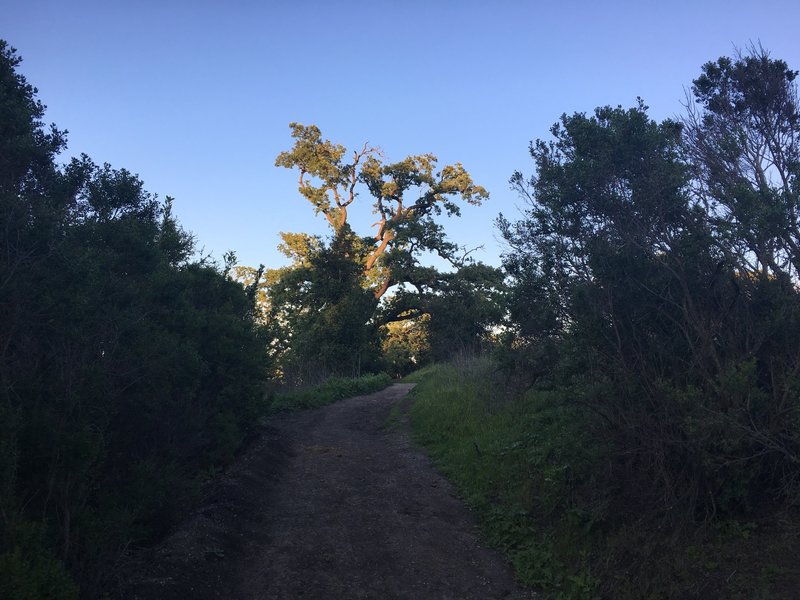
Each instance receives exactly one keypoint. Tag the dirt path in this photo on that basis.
(330, 504)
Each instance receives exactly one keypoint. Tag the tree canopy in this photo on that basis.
(406, 196)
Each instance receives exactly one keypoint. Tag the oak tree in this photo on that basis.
(406, 197)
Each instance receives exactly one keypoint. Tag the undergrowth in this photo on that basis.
(530, 466)
(332, 390)
(483, 443)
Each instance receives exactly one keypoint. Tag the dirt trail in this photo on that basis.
(329, 504)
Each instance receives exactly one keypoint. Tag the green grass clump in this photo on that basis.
(332, 390)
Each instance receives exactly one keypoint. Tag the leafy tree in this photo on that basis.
(317, 306)
(406, 346)
(126, 367)
(743, 140)
(406, 196)
(741, 133)
(608, 199)
(460, 308)
(33, 206)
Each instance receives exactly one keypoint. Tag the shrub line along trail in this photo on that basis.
(330, 503)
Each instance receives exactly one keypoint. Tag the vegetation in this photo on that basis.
(127, 368)
(636, 432)
(653, 341)
(332, 390)
(406, 196)
(664, 270)
(328, 312)
(522, 463)
(512, 456)
(130, 368)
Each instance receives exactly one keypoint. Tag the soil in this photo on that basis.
(326, 504)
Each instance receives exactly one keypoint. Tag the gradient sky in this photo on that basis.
(196, 96)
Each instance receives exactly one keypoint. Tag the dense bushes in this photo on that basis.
(127, 368)
(654, 300)
(664, 259)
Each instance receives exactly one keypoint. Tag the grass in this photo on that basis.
(332, 390)
(480, 440)
(520, 461)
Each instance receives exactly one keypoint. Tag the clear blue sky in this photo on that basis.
(196, 96)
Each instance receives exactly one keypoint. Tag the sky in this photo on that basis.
(196, 96)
